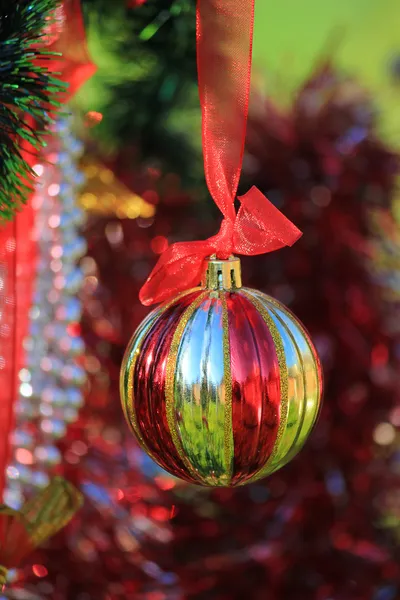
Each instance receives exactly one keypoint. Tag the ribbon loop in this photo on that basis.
(260, 227)
(180, 267)
(224, 56)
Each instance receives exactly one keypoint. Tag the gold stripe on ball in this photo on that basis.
(312, 397)
(283, 458)
(228, 427)
(305, 333)
(284, 384)
(170, 383)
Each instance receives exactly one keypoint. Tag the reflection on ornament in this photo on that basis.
(105, 195)
(50, 382)
(222, 385)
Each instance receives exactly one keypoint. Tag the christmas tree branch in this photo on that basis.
(27, 94)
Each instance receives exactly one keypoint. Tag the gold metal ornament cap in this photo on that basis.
(223, 274)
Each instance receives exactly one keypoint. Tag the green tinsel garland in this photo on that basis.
(27, 88)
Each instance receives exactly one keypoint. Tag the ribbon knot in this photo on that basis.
(223, 242)
(259, 227)
(224, 55)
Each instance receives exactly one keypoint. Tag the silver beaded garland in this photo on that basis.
(50, 393)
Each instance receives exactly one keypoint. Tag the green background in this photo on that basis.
(291, 37)
(362, 36)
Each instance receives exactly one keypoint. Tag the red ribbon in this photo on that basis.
(224, 57)
(74, 64)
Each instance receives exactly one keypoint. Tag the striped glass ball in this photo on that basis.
(222, 385)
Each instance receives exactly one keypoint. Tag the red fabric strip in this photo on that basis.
(8, 340)
(15, 542)
(74, 66)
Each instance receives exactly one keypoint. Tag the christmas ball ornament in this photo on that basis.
(222, 385)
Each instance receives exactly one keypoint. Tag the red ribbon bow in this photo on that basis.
(224, 56)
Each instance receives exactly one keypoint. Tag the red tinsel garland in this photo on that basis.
(313, 530)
